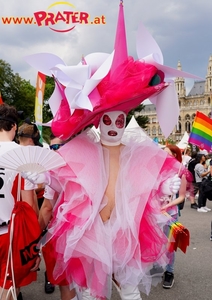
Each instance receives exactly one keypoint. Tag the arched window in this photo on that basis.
(179, 127)
(154, 130)
(188, 126)
(159, 131)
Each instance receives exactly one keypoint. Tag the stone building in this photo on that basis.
(199, 98)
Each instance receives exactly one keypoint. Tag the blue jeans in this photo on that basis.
(170, 255)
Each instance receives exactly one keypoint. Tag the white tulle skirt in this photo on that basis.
(89, 251)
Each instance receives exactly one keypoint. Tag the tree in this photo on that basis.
(16, 91)
(25, 97)
(6, 80)
(141, 120)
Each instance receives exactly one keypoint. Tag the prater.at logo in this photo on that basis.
(64, 19)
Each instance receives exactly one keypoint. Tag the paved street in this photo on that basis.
(193, 270)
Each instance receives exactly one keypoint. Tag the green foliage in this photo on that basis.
(21, 94)
(170, 141)
(141, 120)
(16, 91)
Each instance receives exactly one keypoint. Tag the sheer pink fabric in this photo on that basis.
(89, 250)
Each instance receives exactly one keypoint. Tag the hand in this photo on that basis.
(37, 178)
(36, 265)
(171, 185)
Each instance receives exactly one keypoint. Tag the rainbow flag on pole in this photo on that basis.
(40, 88)
(201, 132)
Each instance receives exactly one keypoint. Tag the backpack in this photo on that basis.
(191, 165)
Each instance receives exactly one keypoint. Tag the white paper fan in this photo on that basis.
(31, 159)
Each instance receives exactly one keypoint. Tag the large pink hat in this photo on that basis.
(103, 82)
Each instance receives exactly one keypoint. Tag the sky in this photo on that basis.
(181, 28)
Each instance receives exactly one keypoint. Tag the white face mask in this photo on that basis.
(112, 125)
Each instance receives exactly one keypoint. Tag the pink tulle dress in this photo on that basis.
(89, 251)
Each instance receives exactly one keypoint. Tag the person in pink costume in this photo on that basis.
(107, 225)
(107, 222)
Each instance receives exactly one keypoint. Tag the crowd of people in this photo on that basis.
(200, 166)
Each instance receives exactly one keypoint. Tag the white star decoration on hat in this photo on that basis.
(78, 81)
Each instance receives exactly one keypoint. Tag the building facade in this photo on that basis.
(199, 98)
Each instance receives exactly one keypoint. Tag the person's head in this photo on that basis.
(28, 134)
(55, 142)
(187, 151)
(112, 125)
(194, 154)
(201, 158)
(8, 120)
(174, 151)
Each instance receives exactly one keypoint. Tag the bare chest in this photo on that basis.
(111, 186)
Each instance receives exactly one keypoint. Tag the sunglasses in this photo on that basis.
(55, 146)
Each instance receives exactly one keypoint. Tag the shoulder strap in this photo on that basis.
(19, 188)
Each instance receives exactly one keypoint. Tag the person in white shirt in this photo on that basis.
(8, 192)
(186, 157)
(200, 175)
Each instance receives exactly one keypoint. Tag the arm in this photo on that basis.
(45, 213)
(28, 196)
(199, 169)
(47, 207)
(35, 203)
(205, 173)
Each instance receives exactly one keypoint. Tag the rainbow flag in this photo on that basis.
(201, 132)
(40, 88)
